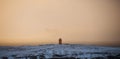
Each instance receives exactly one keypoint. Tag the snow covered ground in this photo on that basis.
(59, 51)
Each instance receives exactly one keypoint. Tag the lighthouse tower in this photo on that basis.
(60, 41)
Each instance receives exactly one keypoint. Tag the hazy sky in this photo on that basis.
(33, 22)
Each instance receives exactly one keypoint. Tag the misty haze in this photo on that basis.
(62, 29)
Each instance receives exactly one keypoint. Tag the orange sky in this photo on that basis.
(33, 22)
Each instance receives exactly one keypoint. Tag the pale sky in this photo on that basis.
(33, 22)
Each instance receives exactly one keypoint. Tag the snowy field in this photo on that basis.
(55, 51)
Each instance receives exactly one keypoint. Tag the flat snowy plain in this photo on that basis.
(56, 51)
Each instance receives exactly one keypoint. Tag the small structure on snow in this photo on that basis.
(60, 41)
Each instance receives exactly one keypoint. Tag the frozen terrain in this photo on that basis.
(67, 51)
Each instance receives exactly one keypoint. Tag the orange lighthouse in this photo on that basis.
(60, 41)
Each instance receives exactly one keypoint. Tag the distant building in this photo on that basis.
(60, 41)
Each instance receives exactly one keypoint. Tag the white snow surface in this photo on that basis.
(67, 50)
